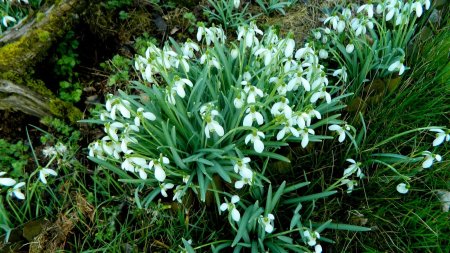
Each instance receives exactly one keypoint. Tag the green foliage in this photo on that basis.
(270, 6)
(13, 157)
(224, 13)
(116, 4)
(70, 90)
(119, 67)
(192, 20)
(143, 42)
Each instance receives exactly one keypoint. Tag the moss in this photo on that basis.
(40, 16)
(43, 36)
(65, 110)
(35, 85)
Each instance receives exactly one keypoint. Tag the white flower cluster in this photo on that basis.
(299, 73)
(238, 100)
(358, 21)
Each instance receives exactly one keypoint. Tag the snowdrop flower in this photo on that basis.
(208, 115)
(164, 187)
(231, 207)
(318, 248)
(305, 132)
(140, 114)
(213, 126)
(242, 164)
(429, 159)
(349, 48)
(333, 20)
(288, 128)
(178, 194)
(44, 172)
(136, 164)
(186, 178)
(252, 92)
(392, 11)
(402, 188)
(368, 8)
(303, 52)
(417, 7)
(266, 54)
(239, 100)
(111, 130)
(346, 13)
(234, 53)
(203, 31)
(323, 54)
(311, 237)
(254, 137)
(340, 130)
(350, 184)
(440, 136)
(189, 47)
(6, 19)
(160, 174)
(170, 94)
(244, 180)
(251, 116)
(352, 168)
(359, 26)
(6, 181)
(249, 33)
(397, 66)
(111, 148)
(267, 222)
(210, 60)
(322, 93)
(289, 50)
(317, 35)
(179, 86)
(16, 192)
(282, 107)
(342, 73)
(112, 105)
(298, 79)
(49, 151)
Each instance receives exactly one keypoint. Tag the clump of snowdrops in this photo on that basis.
(369, 41)
(217, 113)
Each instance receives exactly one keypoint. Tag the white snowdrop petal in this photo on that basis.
(428, 162)
(160, 174)
(235, 215)
(401, 188)
(7, 181)
(239, 184)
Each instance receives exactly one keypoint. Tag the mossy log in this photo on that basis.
(23, 99)
(25, 46)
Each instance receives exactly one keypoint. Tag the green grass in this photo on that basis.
(413, 222)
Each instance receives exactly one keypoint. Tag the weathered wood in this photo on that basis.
(19, 98)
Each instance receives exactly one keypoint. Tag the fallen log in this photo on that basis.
(25, 46)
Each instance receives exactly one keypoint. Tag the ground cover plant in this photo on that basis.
(234, 137)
